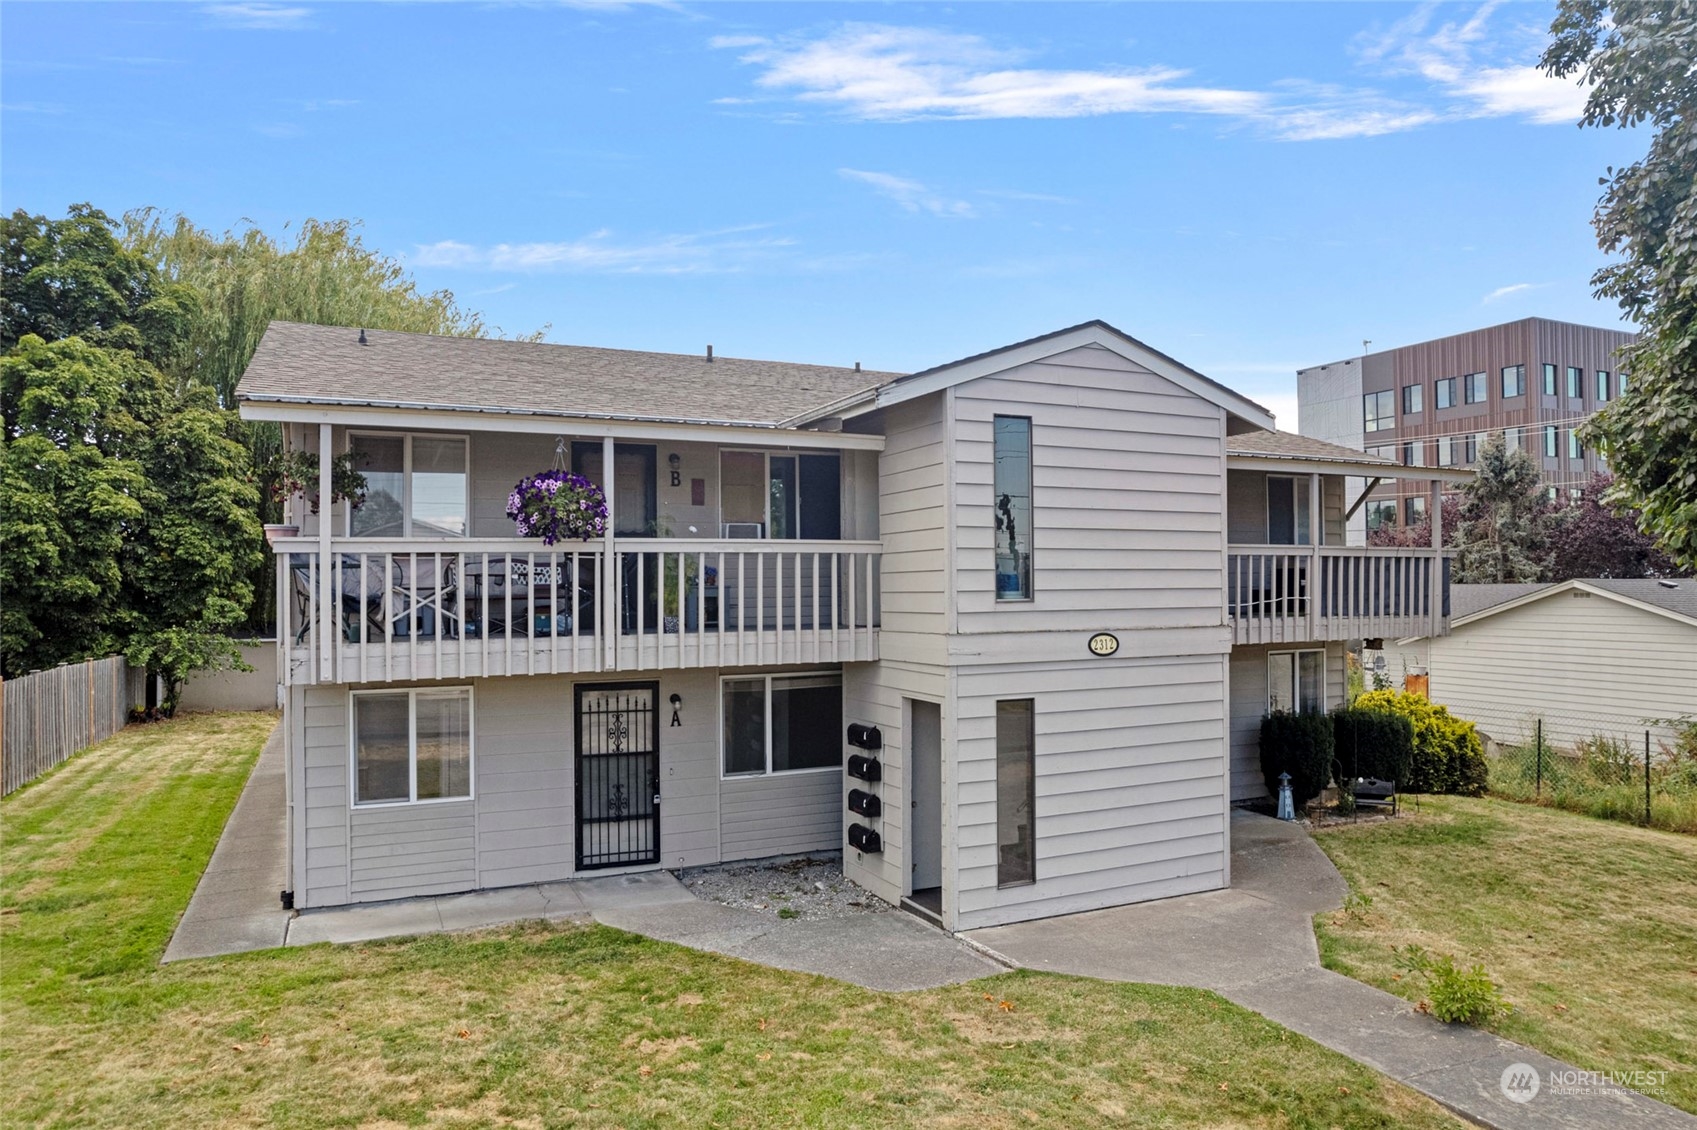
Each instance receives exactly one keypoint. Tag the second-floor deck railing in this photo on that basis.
(1290, 594)
(379, 610)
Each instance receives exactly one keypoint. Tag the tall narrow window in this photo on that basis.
(1013, 507)
(1602, 386)
(1415, 507)
(1288, 519)
(1016, 793)
(1549, 441)
(1549, 379)
(1575, 382)
(1575, 449)
(1413, 399)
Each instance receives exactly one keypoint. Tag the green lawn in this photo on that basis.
(541, 1026)
(1590, 926)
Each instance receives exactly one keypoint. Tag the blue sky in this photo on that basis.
(1250, 187)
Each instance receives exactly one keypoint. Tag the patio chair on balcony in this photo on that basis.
(357, 599)
(522, 597)
(422, 601)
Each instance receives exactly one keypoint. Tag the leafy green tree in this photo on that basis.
(1504, 531)
(69, 489)
(1638, 59)
(73, 277)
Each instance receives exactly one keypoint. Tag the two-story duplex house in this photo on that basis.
(1001, 631)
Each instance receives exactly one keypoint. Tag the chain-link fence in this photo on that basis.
(1643, 771)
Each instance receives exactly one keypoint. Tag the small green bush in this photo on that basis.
(1448, 755)
(1298, 744)
(1373, 743)
(1453, 994)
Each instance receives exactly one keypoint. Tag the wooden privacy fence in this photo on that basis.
(50, 715)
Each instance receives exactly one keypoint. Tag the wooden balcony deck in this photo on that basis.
(386, 610)
(1297, 594)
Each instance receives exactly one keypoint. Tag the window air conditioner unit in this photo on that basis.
(745, 529)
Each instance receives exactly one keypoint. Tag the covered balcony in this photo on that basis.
(1290, 577)
(757, 554)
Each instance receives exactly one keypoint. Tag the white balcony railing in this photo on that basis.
(385, 610)
(1295, 594)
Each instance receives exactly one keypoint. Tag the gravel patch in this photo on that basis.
(808, 887)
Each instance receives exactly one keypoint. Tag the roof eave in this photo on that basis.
(1247, 460)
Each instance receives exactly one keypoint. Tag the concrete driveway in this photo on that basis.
(1254, 944)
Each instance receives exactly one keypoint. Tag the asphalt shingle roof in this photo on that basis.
(297, 362)
(1465, 600)
(1292, 446)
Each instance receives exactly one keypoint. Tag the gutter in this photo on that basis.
(342, 402)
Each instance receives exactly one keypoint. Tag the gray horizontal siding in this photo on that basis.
(780, 814)
(1249, 706)
(412, 850)
(1127, 498)
(1130, 799)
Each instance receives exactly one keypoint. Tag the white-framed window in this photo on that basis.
(417, 485)
(1296, 681)
(1011, 478)
(780, 723)
(410, 746)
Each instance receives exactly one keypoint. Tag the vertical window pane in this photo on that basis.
(1281, 681)
(1016, 794)
(745, 726)
(1602, 385)
(1310, 670)
(444, 745)
(380, 748)
(782, 490)
(438, 487)
(381, 459)
(1013, 507)
(1575, 380)
(742, 491)
(807, 722)
(1549, 379)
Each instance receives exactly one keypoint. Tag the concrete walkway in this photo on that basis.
(1254, 944)
(891, 951)
(237, 905)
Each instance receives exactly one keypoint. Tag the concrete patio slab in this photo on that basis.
(1254, 944)
(237, 906)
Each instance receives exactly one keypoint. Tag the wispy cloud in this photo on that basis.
(911, 195)
(259, 16)
(1507, 291)
(714, 252)
(879, 72)
(1447, 57)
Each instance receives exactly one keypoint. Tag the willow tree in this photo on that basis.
(246, 279)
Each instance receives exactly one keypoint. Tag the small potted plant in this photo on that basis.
(296, 473)
(558, 506)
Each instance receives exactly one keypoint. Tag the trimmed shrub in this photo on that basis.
(1298, 744)
(1448, 755)
(1373, 743)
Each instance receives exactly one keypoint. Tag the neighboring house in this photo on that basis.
(1048, 591)
(1586, 657)
(1432, 404)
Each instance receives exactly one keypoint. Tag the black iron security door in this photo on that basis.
(618, 775)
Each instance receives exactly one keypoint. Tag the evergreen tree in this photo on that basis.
(1504, 531)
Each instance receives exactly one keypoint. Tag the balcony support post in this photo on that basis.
(1316, 536)
(612, 596)
(326, 582)
(1436, 509)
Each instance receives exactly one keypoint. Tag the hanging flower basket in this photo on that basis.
(558, 506)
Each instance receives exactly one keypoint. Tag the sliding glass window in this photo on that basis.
(415, 486)
(1012, 451)
(1016, 793)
